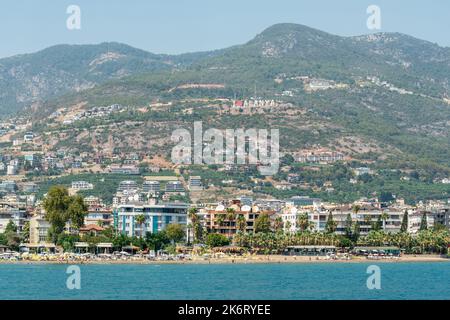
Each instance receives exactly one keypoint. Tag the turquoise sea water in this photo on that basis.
(240, 281)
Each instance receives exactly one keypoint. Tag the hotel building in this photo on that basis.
(158, 217)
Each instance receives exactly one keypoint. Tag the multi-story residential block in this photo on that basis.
(38, 229)
(29, 187)
(151, 186)
(290, 216)
(99, 215)
(195, 183)
(93, 201)
(82, 185)
(157, 217)
(15, 212)
(11, 169)
(221, 220)
(28, 137)
(302, 201)
(366, 215)
(415, 220)
(362, 170)
(8, 186)
(442, 216)
(174, 186)
(127, 186)
(320, 156)
(129, 169)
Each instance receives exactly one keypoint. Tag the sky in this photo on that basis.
(178, 26)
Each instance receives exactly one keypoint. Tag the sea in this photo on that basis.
(324, 281)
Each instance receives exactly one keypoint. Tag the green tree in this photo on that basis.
(262, 223)
(241, 223)
(216, 240)
(195, 224)
(12, 238)
(303, 222)
(423, 222)
(278, 224)
(404, 226)
(377, 225)
(56, 204)
(384, 217)
(356, 231)
(140, 220)
(3, 239)
(175, 232)
(26, 232)
(230, 217)
(348, 226)
(356, 208)
(61, 208)
(11, 227)
(77, 211)
(67, 241)
(156, 240)
(330, 226)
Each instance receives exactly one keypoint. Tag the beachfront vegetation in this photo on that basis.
(62, 209)
(10, 237)
(427, 241)
(216, 240)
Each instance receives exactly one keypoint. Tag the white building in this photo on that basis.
(82, 185)
(11, 170)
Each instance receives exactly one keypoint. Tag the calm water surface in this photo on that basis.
(248, 281)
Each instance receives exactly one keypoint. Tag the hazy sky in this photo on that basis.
(176, 26)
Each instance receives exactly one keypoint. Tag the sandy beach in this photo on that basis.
(254, 259)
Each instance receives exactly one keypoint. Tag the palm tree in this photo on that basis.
(287, 226)
(241, 223)
(348, 226)
(140, 220)
(230, 217)
(356, 208)
(278, 224)
(195, 224)
(331, 225)
(384, 217)
(302, 222)
(220, 219)
(367, 220)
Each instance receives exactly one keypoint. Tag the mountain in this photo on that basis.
(291, 49)
(380, 99)
(27, 80)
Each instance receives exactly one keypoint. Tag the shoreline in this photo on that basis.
(236, 260)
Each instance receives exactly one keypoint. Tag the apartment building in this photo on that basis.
(82, 185)
(99, 215)
(221, 220)
(367, 215)
(38, 229)
(195, 183)
(151, 186)
(15, 212)
(174, 186)
(157, 217)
